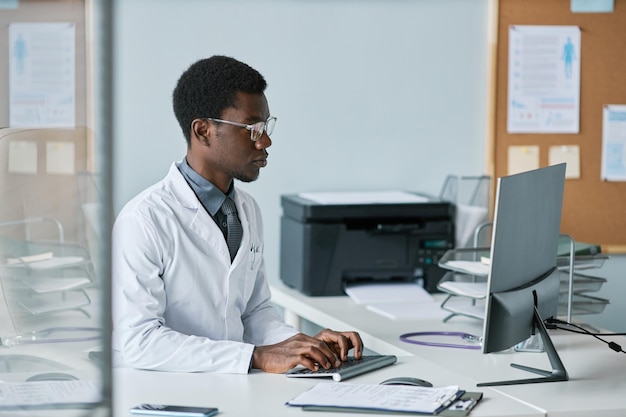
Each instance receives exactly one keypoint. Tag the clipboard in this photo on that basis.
(459, 408)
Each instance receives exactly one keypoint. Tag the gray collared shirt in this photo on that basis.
(209, 195)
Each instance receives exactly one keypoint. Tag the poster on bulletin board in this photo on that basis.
(544, 79)
(614, 143)
(595, 151)
(42, 74)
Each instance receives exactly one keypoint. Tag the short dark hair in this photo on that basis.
(209, 86)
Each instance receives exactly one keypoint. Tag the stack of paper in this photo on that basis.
(48, 393)
(466, 289)
(381, 398)
(470, 267)
(398, 301)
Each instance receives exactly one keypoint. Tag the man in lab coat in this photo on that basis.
(181, 301)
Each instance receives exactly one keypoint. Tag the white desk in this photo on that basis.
(597, 383)
(23, 361)
(262, 394)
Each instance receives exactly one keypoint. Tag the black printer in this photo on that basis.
(326, 246)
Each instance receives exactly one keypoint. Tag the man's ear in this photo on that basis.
(201, 130)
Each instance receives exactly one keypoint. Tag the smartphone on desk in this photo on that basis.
(173, 410)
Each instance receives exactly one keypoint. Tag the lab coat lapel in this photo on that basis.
(199, 221)
(242, 212)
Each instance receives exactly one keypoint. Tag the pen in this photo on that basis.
(253, 250)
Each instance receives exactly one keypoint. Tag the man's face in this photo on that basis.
(232, 153)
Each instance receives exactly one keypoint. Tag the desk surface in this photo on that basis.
(261, 394)
(597, 384)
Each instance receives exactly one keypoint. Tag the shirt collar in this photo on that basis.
(209, 195)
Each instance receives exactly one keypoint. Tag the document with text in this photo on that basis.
(427, 400)
(48, 393)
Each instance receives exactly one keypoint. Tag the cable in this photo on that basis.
(554, 321)
(406, 337)
(559, 324)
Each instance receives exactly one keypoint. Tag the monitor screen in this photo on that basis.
(523, 281)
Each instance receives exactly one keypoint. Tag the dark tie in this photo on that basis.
(235, 231)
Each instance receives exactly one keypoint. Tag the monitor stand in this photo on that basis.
(558, 372)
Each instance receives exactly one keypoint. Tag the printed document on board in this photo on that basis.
(544, 79)
(614, 143)
(42, 74)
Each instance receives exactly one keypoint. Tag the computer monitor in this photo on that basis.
(523, 282)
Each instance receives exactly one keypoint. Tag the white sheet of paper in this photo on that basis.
(42, 79)
(409, 310)
(363, 197)
(544, 79)
(570, 155)
(470, 267)
(522, 158)
(30, 258)
(44, 393)
(60, 158)
(396, 300)
(388, 292)
(50, 263)
(614, 143)
(22, 157)
(377, 397)
(44, 285)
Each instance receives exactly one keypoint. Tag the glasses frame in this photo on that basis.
(251, 127)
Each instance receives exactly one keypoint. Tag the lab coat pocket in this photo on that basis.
(253, 264)
(256, 254)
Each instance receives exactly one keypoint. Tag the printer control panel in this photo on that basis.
(426, 258)
(431, 250)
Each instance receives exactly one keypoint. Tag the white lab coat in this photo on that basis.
(178, 303)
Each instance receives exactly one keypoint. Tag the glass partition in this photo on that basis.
(54, 216)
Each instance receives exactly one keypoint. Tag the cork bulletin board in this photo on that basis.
(49, 11)
(594, 210)
(45, 189)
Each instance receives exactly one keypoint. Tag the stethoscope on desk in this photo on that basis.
(410, 338)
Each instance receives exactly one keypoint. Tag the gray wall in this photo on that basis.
(369, 95)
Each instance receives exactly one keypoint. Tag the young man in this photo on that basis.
(182, 300)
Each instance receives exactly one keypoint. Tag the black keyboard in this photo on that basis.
(352, 367)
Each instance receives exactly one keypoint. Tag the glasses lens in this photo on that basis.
(257, 130)
(269, 125)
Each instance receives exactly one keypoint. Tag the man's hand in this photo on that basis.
(341, 343)
(327, 350)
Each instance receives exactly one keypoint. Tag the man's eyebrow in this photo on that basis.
(255, 119)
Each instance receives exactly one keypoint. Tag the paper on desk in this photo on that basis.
(472, 267)
(369, 293)
(43, 393)
(377, 397)
(409, 311)
(396, 300)
(363, 197)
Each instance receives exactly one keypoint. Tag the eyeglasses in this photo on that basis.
(256, 129)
